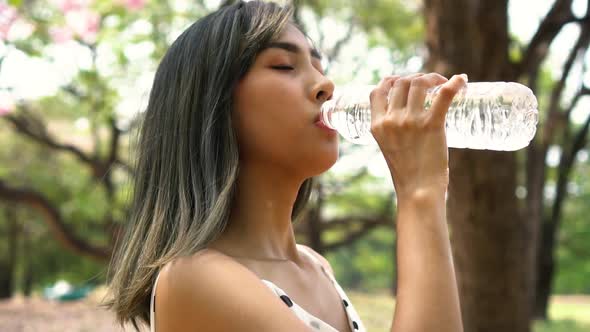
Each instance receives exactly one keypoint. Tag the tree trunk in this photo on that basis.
(545, 271)
(535, 184)
(493, 246)
(490, 242)
(5, 280)
(27, 262)
(8, 263)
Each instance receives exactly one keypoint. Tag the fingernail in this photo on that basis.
(464, 77)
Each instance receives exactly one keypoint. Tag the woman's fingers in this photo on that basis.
(379, 96)
(399, 93)
(407, 94)
(412, 140)
(418, 88)
(444, 97)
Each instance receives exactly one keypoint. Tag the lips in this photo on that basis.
(321, 124)
(318, 118)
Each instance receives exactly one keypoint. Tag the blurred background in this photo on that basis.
(74, 74)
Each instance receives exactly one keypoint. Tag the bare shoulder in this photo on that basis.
(321, 258)
(210, 291)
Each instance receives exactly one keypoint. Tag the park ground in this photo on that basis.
(569, 313)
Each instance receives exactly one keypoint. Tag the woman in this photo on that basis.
(228, 149)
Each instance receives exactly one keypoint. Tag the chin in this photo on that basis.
(323, 161)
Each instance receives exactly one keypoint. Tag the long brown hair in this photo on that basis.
(187, 159)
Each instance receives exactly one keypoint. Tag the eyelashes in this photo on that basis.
(290, 68)
(286, 68)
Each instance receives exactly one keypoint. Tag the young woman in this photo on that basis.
(227, 152)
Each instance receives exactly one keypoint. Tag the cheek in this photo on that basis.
(301, 148)
(274, 124)
(265, 134)
(268, 120)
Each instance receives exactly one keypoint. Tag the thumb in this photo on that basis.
(444, 96)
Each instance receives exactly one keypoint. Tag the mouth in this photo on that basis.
(318, 118)
(319, 123)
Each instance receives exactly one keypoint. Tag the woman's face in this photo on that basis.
(276, 106)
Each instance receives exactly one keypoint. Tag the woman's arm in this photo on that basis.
(413, 142)
(427, 296)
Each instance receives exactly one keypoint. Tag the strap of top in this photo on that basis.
(317, 261)
(354, 319)
(304, 315)
(309, 254)
(153, 305)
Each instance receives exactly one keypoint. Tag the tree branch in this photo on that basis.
(553, 117)
(335, 51)
(54, 220)
(115, 137)
(334, 187)
(584, 91)
(367, 225)
(558, 16)
(565, 166)
(580, 140)
(350, 221)
(33, 127)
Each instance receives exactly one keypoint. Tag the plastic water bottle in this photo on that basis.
(483, 115)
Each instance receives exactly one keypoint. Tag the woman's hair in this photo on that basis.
(187, 159)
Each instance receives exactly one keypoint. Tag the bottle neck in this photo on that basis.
(326, 113)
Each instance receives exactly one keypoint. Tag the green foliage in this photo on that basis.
(396, 25)
(573, 254)
(15, 3)
(390, 23)
(67, 182)
(515, 50)
(50, 262)
(560, 326)
(368, 264)
(546, 82)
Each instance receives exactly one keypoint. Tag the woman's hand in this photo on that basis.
(413, 140)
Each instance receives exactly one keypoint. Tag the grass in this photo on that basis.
(561, 326)
(568, 314)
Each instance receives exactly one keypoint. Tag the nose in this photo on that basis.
(323, 89)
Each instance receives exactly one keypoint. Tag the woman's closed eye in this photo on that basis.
(283, 67)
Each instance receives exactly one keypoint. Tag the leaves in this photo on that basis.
(390, 23)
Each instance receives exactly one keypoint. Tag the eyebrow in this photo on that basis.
(293, 48)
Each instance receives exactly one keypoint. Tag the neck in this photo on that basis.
(260, 225)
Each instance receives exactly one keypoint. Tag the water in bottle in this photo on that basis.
(483, 115)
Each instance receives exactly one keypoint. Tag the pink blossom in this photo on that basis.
(8, 15)
(20, 29)
(134, 4)
(84, 23)
(6, 103)
(61, 35)
(69, 5)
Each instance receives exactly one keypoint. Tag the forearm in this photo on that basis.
(427, 295)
